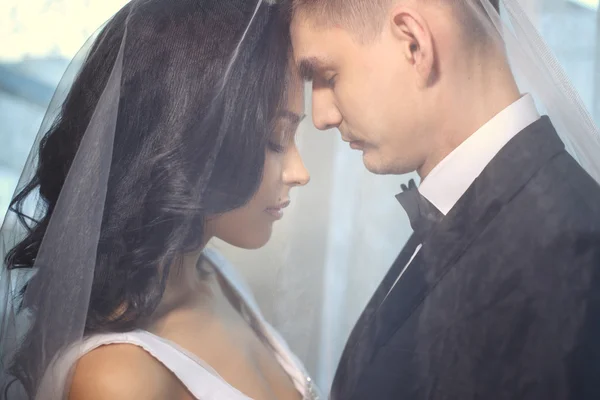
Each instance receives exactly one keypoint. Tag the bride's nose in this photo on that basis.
(294, 171)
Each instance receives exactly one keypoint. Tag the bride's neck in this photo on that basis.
(193, 292)
(186, 274)
(188, 284)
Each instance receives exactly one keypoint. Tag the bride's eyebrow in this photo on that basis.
(293, 119)
(291, 116)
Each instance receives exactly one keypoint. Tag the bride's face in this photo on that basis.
(250, 226)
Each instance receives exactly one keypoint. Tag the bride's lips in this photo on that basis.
(277, 211)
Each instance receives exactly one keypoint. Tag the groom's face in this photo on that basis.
(368, 91)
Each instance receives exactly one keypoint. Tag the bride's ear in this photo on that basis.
(415, 41)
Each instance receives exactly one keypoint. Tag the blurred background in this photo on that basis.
(311, 283)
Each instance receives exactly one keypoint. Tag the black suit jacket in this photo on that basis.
(503, 299)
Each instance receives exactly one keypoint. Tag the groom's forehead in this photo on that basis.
(344, 12)
(316, 50)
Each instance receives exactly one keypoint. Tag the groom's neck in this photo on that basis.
(468, 103)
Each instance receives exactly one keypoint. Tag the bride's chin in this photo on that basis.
(252, 239)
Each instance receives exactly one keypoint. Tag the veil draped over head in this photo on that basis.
(538, 72)
(53, 288)
(164, 126)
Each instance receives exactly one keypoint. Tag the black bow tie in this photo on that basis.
(422, 214)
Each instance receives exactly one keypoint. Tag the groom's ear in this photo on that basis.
(414, 37)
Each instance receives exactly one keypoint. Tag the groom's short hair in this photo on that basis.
(365, 17)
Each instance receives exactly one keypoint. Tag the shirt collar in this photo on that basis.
(451, 178)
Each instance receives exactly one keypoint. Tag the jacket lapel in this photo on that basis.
(501, 180)
(359, 344)
(504, 176)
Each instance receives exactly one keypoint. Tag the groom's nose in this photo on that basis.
(325, 112)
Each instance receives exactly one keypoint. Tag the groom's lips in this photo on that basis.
(357, 145)
(354, 144)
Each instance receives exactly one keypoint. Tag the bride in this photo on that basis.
(178, 128)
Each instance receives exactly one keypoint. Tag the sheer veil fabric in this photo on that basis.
(45, 308)
(50, 303)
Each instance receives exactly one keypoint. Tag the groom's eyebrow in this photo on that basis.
(309, 67)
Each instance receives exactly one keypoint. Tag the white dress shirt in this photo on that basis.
(450, 179)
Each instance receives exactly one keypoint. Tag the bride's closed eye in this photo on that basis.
(284, 138)
(285, 131)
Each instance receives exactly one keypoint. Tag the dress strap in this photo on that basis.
(197, 376)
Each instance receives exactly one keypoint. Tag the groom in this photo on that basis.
(497, 293)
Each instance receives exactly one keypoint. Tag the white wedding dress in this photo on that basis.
(197, 376)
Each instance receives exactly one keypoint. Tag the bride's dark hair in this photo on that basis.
(171, 111)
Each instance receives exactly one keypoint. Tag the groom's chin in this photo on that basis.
(375, 164)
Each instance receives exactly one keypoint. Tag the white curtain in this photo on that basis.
(50, 28)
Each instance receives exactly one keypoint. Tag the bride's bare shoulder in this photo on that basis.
(122, 371)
